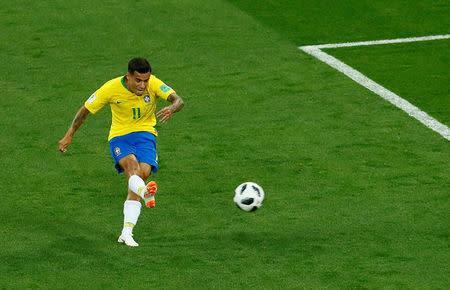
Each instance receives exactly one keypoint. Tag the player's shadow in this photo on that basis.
(302, 244)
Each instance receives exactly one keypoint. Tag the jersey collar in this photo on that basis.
(123, 83)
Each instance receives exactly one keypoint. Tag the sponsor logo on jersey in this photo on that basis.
(164, 88)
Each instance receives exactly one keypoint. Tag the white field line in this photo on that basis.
(386, 41)
(389, 96)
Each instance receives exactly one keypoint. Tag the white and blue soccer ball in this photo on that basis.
(249, 196)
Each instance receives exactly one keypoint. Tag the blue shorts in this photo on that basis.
(141, 144)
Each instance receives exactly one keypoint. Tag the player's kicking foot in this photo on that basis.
(149, 194)
(128, 240)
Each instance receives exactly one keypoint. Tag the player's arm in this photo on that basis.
(177, 105)
(76, 123)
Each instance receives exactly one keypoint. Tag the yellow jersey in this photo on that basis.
(130, 112)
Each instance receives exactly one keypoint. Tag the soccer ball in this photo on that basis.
(248, 196)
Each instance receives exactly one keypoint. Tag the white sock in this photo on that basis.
(135, 183)
(131, 212)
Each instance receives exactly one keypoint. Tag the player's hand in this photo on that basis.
(64, 143)
(164, 114)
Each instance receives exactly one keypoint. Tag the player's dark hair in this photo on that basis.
(140, 65)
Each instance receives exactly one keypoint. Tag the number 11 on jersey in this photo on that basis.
(138, 110)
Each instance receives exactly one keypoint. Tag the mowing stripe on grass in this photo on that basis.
(391, 97)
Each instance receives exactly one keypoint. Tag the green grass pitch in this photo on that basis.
(357, 192)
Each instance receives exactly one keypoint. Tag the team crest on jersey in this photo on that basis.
(117, 151)
(147, 99)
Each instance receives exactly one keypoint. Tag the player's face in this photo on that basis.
(137, 82)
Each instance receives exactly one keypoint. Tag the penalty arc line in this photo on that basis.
(366, 82)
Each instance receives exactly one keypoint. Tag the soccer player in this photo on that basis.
(132, 135)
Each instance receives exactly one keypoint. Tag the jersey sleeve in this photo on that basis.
(161, 89)
(96, 101)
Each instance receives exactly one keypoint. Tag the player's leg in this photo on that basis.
(126, 157)
(137, 177)
(123, 152)
(144, 170)
(151, 187)
(132, 170)
(132, 206)
(137, 174)
(148, 162)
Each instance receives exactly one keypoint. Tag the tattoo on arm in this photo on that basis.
(76, 121)
(79, 119)
(177, 102)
